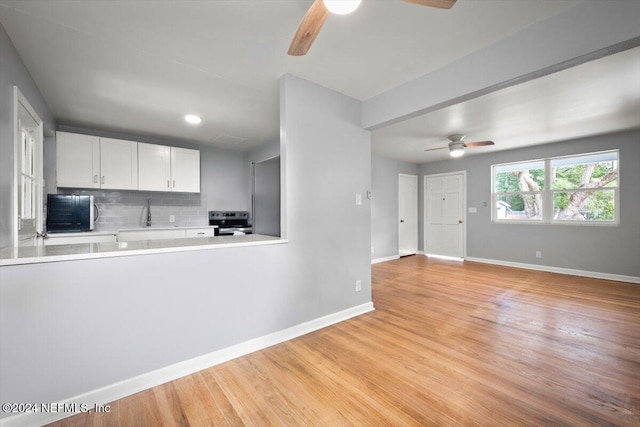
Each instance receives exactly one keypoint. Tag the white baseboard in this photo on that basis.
(387, 258)
(569, 271)
(145, 381)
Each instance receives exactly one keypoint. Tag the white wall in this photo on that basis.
(384, 204)
(588, 30)
(71, 327)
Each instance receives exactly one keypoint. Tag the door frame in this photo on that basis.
(464, 208)
(406, 175)
(20, 99)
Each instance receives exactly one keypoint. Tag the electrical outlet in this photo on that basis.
(372, 249)
(358, 285)
(172, 218)
(538, 254)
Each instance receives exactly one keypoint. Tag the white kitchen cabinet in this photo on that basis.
(118, 164)
(78, 160)
(185, 170)
(163, 168)
(133, 235)
(78, 238)
(154, 167)
(85, 161)
(200, 232)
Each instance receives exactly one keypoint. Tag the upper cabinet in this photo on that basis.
(118, 164)
(78, 160)
(154, 167)
(85, 161)
(162, 168)
(185, 170)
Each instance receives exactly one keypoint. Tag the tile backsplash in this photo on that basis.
(128, 209)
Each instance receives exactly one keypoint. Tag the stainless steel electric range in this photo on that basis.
(230, 222)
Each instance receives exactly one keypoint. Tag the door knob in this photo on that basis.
(402, 220)
(459, 221)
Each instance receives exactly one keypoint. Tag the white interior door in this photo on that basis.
(444, 214)
(408, 215)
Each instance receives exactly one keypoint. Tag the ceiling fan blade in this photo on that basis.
(308, 29)
(440, 4)
(479, 143)
(433, 149)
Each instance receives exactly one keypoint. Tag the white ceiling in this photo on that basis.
(593, 98)
(139, 66)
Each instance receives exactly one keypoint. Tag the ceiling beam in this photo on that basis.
(587, 31)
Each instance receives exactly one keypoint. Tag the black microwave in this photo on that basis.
(70, 213)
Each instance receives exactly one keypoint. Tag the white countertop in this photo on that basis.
(40, 254)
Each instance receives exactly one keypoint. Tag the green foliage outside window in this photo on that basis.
(581, 188)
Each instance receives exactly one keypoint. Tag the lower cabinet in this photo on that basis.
(164, 233)
(79, 238)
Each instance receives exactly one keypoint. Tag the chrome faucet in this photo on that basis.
(148, 212)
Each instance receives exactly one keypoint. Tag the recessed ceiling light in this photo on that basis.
(192, 119)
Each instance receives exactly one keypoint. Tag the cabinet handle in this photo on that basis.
(102, 179)
(174, 183)
(168, 184)
(95, 179)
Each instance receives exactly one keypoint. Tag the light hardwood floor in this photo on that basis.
(450, 344)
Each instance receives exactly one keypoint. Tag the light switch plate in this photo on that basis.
(358, 199)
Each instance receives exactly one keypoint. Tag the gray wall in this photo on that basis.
(71, 327)
(384, 204)
(13, 72)
(604, 249)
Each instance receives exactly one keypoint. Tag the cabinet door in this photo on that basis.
(118, 164)
(200, 232)
(78, 160)
(185, 170)
(154, 167)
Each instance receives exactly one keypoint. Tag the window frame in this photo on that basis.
(548, 193)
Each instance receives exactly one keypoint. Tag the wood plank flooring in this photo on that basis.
(450, 344)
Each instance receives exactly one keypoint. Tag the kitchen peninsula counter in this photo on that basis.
(41, 253)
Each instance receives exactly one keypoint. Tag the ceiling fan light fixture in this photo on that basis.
(456, 149)
(341, 7)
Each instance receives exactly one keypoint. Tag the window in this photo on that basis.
(27, 176)
(572, 189)
(518, 189)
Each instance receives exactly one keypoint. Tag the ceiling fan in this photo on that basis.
(312, 21)
(457, 145)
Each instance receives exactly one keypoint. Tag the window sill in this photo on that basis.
(569, 223)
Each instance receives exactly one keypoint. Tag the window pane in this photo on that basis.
(516, 177)
(593, 205)
(519, 207)
(589, 171)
